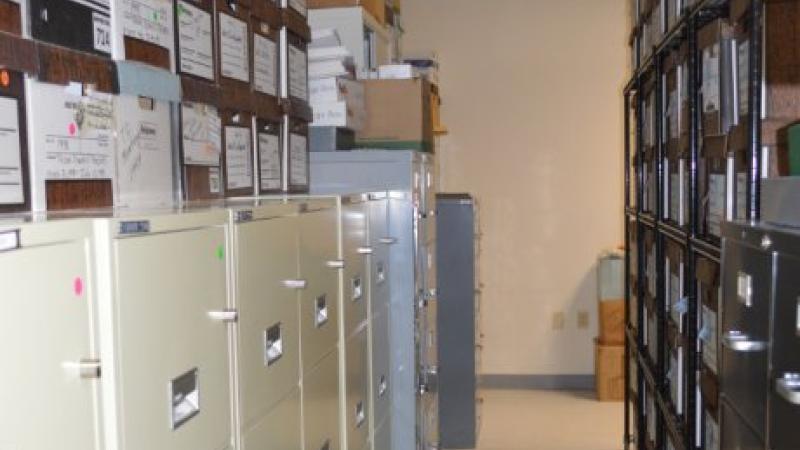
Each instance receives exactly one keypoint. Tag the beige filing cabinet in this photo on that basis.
(166, 329)
(354, 359)
(265, 293)
(50, 393)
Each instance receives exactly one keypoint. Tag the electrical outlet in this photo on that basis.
(583, 320)
(559, 321)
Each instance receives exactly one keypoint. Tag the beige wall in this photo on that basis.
(532, 98)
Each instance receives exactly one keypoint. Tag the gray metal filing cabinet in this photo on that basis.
(166, 330)
(408, 179)
(456, 323)
(760, 367)
(52, 381)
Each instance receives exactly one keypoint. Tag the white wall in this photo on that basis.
(532, 98)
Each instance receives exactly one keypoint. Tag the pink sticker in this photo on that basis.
(77, 286)
(72, 129)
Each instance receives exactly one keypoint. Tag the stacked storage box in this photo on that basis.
(610, 349)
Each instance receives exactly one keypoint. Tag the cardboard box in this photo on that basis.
(611, 321)
(376, 8)
(399, 115)
(609, 372)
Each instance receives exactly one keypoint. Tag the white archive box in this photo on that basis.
(144, 30)
(331, 89)
(338, 114)
(71, 136)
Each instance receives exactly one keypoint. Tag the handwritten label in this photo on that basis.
(195, 41)
(238, 158)
(235, 53)
(298, 73)
(269, 149)
(11, 190)
(201, 134)
(149, 21)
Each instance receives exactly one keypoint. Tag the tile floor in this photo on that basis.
(549, 420)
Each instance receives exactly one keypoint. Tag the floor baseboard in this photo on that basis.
(537, 382)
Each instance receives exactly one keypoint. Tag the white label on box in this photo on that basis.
(195, 41)
(214, 185)
(708, 336)
(265, 65)
(235, 53)
(101, 30)
(741, 195)
(675, 196)
(712, 433)
(269, 148)
(148, 20)
(144, 152)
(238, 158)
(75, 137)
(298, 160)
(710, 88)
(11, 189)
(716, 203)
(743, 77)
(201, 134)
(299, 6)
(298, 73)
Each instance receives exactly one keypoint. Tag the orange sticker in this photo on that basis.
(4, 78)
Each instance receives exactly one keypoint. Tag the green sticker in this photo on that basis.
(221, 252)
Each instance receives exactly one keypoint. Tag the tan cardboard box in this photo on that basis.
(610, 372)
(399, 116)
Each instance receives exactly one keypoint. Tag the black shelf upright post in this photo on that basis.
(661, 330)
(626, 203)
(754, 106)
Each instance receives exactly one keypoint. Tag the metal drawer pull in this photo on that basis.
(226, 315)
(364, 250)
(335, 264)
(788, 387)
(295, 284)
(388, 240)
(740, 342)
(85, 368)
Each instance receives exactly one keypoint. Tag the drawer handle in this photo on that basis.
(388, 240)
(295, 284)
(87, 369)
(225, 315)
(739, 342)
(788, 387)
(335, 264)
(364, 250)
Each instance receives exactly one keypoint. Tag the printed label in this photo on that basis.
(234, 49)
(11, 189)
(238, 158)
(201, 134)
(743, 76)
(148, 20)
(710, 88)
(741, 195)
(101, 26)
(265, 63)
(76, 138)
(298, 160)
(214, 185)
(195, 41)
(716, 203)
(269, 148)
(298, 73)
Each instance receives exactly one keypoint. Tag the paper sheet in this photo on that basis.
(238, 158)
(235, 53)
(148, 20)
(269, 148)
(11, 189)
(716, 203)
(298, 160)
(265, 65)
(298, 73)
(743, 76)
(195, 40)
(710, 87)
(201, 134)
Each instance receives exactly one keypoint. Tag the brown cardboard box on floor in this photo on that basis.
(609, 363)
(612, 322)
(398, 115)
(377, 8)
